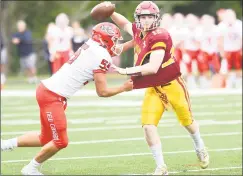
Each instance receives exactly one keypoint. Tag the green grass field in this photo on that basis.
(106, 136)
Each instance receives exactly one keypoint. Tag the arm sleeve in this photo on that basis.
(102, 66)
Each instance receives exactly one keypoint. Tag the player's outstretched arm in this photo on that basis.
(102, 89)
(122, 22)
(152, 67)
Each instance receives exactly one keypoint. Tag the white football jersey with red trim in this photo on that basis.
(79, 70)
(178, 34)
(232, 35)
(61, 38)
(190, 39)
(208, 39)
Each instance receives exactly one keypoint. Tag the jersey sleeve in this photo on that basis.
(158, 40)
(102, 64)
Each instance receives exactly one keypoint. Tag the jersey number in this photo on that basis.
(104, 65)
(77, 53)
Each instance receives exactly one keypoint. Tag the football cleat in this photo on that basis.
(6, 145)
(203, 157)
(28, 170)
(161, 170)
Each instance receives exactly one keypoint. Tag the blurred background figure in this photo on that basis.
(166, 21)
(46, 42)
(89, 30)
(3, 61)
(177, 32)
(208, 59)
(23, 40)
(220, 15)
(230, 47)
(79, 36)
(191, 49)
(59, 42)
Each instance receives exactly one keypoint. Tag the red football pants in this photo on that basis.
(193, 55)
(58, 63)
(234, 60)
(52, 117)
(205, 60)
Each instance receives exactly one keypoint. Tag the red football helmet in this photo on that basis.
(147, 8)
(108, 35)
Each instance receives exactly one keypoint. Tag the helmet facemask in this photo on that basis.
(117, 47)
(154, 25)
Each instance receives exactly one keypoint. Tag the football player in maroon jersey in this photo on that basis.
(157, 70)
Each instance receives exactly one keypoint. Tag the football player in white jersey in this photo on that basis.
(60, 46)
(178, 32)
(90, 62)
(230, 46)
(208, 59)
(191, 49)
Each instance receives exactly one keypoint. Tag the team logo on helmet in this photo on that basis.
(108, 35)
(107, 29)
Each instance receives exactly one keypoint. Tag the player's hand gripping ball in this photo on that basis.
(102, 11)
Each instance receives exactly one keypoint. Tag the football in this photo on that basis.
(102, 11)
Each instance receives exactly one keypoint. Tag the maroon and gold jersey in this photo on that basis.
(143, 46)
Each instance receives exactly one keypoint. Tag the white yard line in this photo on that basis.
(69, 114)
(122, 127)
(122, 155)
(218, 99)
(141, 138)
(72, 111)
(124, 103)
(87, 129)
(91, 120)
(115, 108)
(116, 103)
(85, 92)
(117, 120)
(112, 121)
